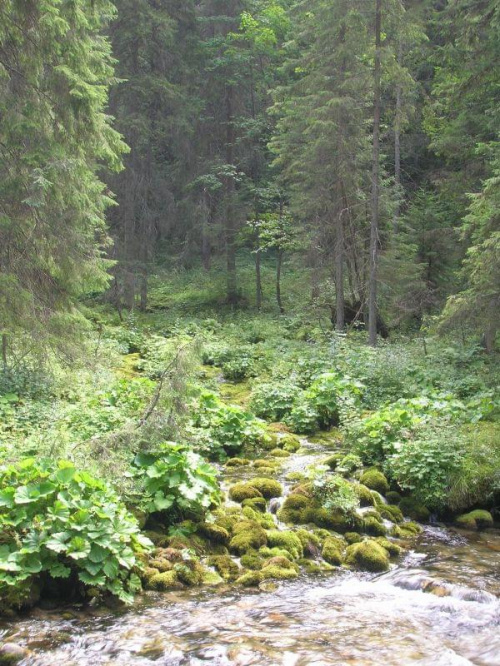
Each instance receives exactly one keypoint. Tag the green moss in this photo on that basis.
(392, 548)
(250, 579)
(273, 572)
(392, 513)
(295, 476)
(333, 520)
(310, 567)
(367, 556)
(158, 538)
(237, 462)
(255, 503)
(333, 461)
(267, 488)
(211, 578)
(287, 540)
(267, 471)
(248, 535)
(164, 581)
(214, 532)
(290, 443)
(267, 552)
(225, 566)
(269, 441)
(189, 573)
(393, 497)
(311, 543)
(373, 526)
(405, 530)
(279, 453)
(243, 491)
(281, 562)
(332, 550)
(251, 560)
(414, 510)
(353, 537)
(364, 494)
(475, 520)
(375, 480)
(161, 565)
(263, 462)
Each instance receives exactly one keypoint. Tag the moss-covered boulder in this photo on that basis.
(393, 497)
(353, 537)
(255, 503)
(286, 540)
(160, 564)
(251, 560)
(414, 510)
(290, 443)
(237, 462)
(225, 566)
(248, 535)
(364, 494)
(267, 488)
(242, 491)
(367, 556)
(292, 510)
(335, 520)
(371, 525)
(250, 579)
(280, 453)
(375, 480)
(405, 530)
(190, 573)
(475, 520)
(332, 550)
(162, 582)
(213, 532)
(391, 512)
(392, 548)
(333, 461)
(311, 543)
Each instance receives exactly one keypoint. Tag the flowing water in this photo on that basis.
(439, 606)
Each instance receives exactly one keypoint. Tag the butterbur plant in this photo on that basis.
(59, 522)
(175, 481)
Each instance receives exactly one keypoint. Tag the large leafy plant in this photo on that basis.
(56, 521)
(175, 481)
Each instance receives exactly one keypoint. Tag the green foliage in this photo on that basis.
(175, 481)
(333, 492)
(63, 523)
(238, 368)
(426, 465)
(273, 401)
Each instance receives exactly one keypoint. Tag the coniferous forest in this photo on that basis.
(249, 317)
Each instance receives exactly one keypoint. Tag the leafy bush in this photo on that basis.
(274, 401)
(426, 465)
(216, 354)
(238, 368)
(174, 480)
(334, 492)
(304, 417)
(61, 523)
(220, 429)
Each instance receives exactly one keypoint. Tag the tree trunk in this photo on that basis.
(372, 298)
(397, 145)
(338, 259)
(4, 350)
(258, 277)
(144, 291)
(278, 281)
(232, 292)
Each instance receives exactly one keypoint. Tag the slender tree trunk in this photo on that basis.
(206, 246)
(338, 254)
(4, 350)
(258, 277)
(397, 145)
(372, 298)
(232, 292)
(278, 281)
(144, 291)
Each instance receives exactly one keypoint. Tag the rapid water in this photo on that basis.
(439, 606)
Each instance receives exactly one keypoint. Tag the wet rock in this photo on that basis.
(368, 556)
(243, 491)
(332, 550)
(375, 480)
(287, 540)
(267, 488)
(475, 520)
(12, 653)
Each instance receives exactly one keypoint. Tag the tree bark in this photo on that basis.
(4, 350)
(230, 222)
(372, 298)
(258, 277)
(278, 281)
(397, 145)
(338, 254)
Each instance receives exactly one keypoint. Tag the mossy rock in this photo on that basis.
(157, 538)
(251, 560)
(405, 530)
(364, 494)
(189, 573)
(282, 563)
(273, 572)
(311, 543)
(164, 581)
(375, 480)
(353, 537)
(414, 510)
(333, 461)
(237, 462)
(267, 488)
(293, 508)
(161, 565)
(367, 556)
(12, 653)
(290, 443)
(266, 552)
(255, 503)
(295, 476)
(212, 578)
(392, 548)
(373, 526)
(214, 532)
(242, 491)
(310, 567)
(248, 535)
(280, 453)
(263, 462)
(393, 497)
(479, 519)
(287, 540)
(332, 520)
(225, 566)
(250, 579)
(267, 471)
(391, 512)
(332, 550)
